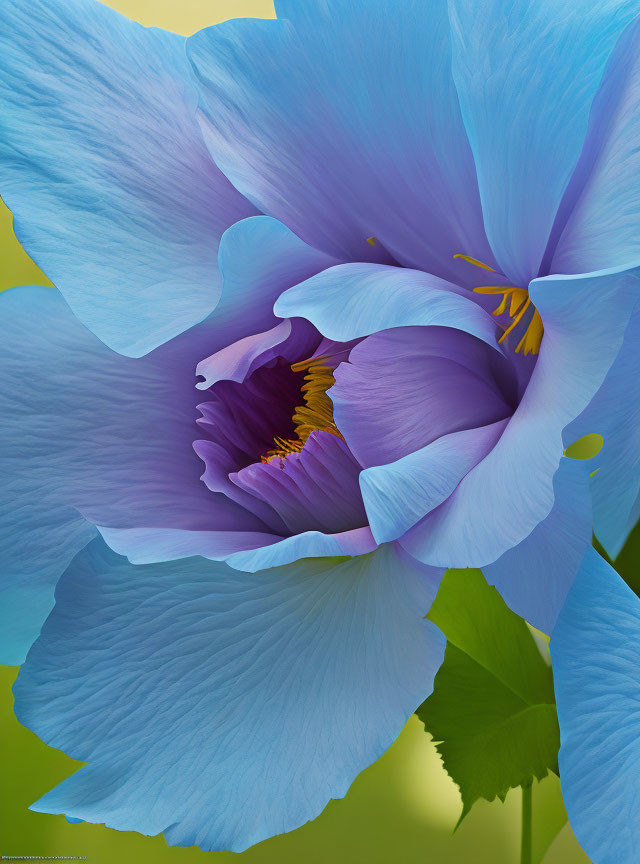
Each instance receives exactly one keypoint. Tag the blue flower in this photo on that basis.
(317, 216)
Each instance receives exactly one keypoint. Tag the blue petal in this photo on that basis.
(103, 165)
(399, 494)
(310, 544)
(244, 550)
(258, 259)
(353, 300)
(503, 498)
(601, 211)
(614, 413)
(526, 73)
(534, 578)
(594, 650)
(337, 156)
(153, 545)
(86, 432)
(219, 707)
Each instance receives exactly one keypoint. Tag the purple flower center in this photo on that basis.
(276, 449)
(248, 418)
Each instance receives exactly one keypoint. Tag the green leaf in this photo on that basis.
(492, 711)
(628, 561)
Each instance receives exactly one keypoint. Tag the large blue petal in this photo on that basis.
(526, 73)
(220, 707)
(594, 650)
(103, 165)
(503, 498)
(600, 215)
(614, 413)
(109, 435)
(349, 301)
(534, 578)
(87, 432)
(342, 120)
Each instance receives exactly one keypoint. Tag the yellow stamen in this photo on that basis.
(371, 241)
(473, 261)
(317, 412)
(499, 310)
(517, 319)
(519, 302)
(530, 342)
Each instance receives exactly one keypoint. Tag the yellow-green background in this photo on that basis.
(403, 808)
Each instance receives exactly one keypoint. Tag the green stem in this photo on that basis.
(525, 848)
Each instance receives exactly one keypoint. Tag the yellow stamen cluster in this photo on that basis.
(316, 414)
(519, 302)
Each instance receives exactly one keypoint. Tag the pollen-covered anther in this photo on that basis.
(315, 415)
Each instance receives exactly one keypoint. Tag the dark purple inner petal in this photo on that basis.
(316, 489)
(219, 464)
